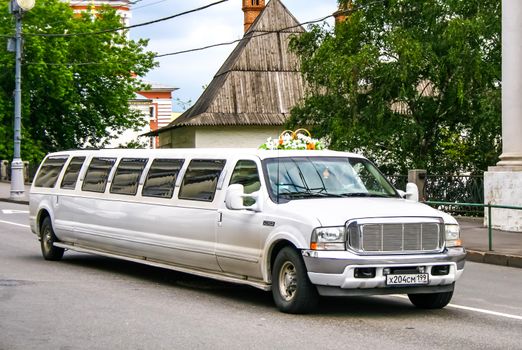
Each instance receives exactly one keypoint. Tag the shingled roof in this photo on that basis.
(259, 82)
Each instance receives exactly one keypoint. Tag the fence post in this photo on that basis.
(418, 177)
(3, 170)
(26, 171)
(490, 229)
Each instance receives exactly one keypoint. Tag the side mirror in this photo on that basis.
(412, 192)
(235, 195)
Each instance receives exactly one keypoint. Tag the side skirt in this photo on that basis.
(144, 260)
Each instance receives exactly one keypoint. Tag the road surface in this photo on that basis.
(91, 302)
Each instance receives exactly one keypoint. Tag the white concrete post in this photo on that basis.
(511, 83)
(503, 183)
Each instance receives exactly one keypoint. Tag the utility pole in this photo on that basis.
(17, 8)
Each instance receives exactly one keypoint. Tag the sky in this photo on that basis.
(217, 24)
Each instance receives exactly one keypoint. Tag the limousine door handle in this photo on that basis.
(220, 218)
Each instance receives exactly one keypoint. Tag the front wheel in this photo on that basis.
(49, 251)
(431, 301)
(292, 290)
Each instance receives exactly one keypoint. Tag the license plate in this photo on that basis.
(407, 279)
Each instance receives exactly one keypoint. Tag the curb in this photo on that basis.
(494, 258)
(13, 201)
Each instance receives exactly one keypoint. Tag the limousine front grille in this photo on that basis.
(395, 237)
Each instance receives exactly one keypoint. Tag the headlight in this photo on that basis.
(452, 235)
(328, 238)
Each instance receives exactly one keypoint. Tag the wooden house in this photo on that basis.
(251, 95)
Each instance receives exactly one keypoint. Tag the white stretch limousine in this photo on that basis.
(299, 223)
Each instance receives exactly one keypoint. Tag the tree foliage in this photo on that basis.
(75, 90)
(411, 83)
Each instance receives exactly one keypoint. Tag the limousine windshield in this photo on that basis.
(312, 177)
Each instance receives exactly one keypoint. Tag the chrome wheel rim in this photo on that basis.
(287, 281)
(47, 239)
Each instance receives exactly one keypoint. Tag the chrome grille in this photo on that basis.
(395, 237)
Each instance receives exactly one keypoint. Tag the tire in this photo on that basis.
(431, 301)
(49, 251)
(291, 289)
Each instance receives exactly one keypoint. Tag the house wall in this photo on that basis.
(178, 138)
(156, 109)
(238, 136)
(218, 137)
(162, 102)
(131, 135)
(122, 8)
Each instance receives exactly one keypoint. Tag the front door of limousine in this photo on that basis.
(240, 233)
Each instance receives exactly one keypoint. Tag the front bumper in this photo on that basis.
(328, 269)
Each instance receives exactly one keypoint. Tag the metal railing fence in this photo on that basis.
(29, 172)
(451, 189)
(457, 189)
(489, 206)
(398, 181)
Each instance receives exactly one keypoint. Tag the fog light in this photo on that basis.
(440, 270)
(364, 272)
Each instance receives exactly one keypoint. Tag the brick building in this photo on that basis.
(122, 7)
(155, 104)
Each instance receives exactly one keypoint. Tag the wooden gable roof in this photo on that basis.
(259, 82)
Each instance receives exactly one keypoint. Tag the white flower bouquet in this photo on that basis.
(300, 139)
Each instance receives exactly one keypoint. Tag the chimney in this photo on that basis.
(252, 9)
(344, 11)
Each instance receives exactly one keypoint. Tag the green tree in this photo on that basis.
(75, 89)
(410, 83)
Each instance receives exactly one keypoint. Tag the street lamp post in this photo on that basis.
(17, 8)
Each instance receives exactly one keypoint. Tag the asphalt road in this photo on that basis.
(90, 302)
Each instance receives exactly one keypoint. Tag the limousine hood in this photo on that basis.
(336, 211)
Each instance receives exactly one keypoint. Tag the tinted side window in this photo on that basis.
(49, 172)
(98, 174)
(71, 173)
(161, 178)
(127, 176)
(201, 179)
(245, 173)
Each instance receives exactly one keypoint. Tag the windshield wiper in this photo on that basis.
(299, 194)
(364, 194)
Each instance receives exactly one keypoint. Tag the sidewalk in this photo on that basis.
(507, 246)
(5, 193)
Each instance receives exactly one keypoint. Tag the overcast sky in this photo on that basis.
(221, 23)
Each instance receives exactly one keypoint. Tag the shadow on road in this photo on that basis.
(367, 307)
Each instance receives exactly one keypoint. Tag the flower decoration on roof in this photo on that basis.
(300, 139)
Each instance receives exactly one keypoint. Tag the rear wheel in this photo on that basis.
(49, 251)
(292, 290)
(431, 301)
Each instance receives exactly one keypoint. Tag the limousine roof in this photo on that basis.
(203, 152)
